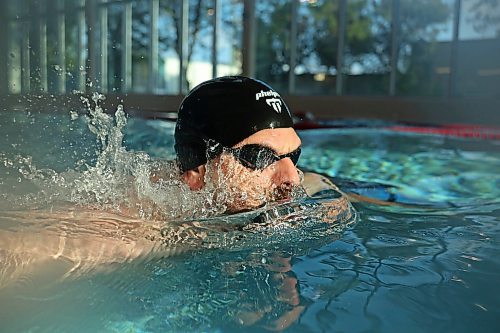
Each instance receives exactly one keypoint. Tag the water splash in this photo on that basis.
(118, 180)
(132, 183)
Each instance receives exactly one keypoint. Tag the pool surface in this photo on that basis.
(422, 255)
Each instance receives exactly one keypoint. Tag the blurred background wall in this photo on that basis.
(427, 61)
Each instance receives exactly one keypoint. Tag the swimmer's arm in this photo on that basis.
(314, 183)
(65, 252)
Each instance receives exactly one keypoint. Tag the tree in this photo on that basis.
(485, 14)
(367, 35)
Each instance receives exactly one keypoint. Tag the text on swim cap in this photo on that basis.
(275, 102)
(268, 93)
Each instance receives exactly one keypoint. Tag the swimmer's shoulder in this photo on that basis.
(315, 183)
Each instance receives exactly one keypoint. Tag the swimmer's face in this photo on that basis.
(240, 187)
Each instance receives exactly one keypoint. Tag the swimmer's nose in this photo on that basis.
(286, 173)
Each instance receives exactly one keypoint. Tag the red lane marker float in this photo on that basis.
(306, 121)
(459, 130)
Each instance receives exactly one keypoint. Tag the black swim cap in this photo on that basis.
(226, 110)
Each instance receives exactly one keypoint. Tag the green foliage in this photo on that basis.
(368, 37)
(485, 14)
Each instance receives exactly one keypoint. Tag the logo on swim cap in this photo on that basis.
(275, 103)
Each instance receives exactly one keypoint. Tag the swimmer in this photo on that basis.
(233, 138)
(236, 134)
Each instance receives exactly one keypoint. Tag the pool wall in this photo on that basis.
(423, 111)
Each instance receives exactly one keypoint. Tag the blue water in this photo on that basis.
(427, 262)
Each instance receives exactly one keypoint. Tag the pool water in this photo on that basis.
(423, 254)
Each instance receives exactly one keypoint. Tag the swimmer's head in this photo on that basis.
(236, 132)
(225, 111)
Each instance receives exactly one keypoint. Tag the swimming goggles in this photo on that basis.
(257, 157)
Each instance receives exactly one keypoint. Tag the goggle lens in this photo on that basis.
(257, 157)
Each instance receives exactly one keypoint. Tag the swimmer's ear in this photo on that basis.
(195, 178)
